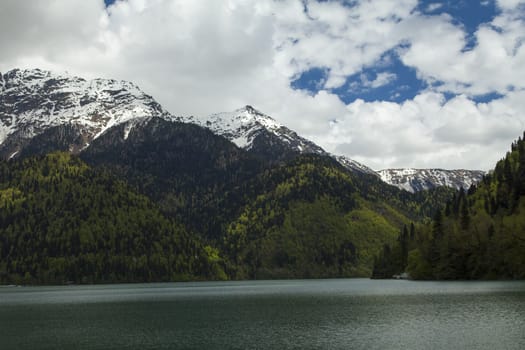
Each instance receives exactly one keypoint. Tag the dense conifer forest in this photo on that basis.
(62, 221)
(478, 234)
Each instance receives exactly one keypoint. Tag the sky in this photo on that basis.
(405, 83)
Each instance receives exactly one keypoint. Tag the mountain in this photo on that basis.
(414, 180)
(263, 136)
(259, 133)
(237, 201)
(34, 101)
(41, 111)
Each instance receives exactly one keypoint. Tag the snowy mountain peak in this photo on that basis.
(34, 100)
(253, 130)
(250, 109)
(245, 124)
(414, 180)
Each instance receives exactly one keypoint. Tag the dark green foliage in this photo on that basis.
(393, 260)
(385, 264)
(480, 234)
(61, 221)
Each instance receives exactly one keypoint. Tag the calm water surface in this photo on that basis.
(300, 314)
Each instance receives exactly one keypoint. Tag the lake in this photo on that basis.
(295, 314)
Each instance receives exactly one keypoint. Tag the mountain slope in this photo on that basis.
(212, 187)
(310, 218)
(414, 180)
(62, 221)
(187, 169)
(259, 133)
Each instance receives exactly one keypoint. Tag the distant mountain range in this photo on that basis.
(414, 180)
(41, 111)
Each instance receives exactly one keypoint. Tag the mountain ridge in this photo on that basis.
(38, 105)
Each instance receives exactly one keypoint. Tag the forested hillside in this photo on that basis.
(314, 218)
(308, 219)
(61, 221)
(160, 200)
(244, 205)
(172, 201)
(478, 234)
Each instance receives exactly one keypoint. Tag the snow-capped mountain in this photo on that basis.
(414, 180)
(246, 125)
(41, 111)
(33, 101)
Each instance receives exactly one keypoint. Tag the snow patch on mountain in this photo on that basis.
(353, 165)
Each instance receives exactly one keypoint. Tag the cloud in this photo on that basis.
(341, 38)
(381, 79)
(494, 64)
(200, 57)
(364, 84)
(47, 30)
(428, 131)
(506, 5)
(433, 7)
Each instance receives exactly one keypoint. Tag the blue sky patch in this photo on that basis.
(390, 80)
(487, 97)
(368, 85)
(311, 80)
